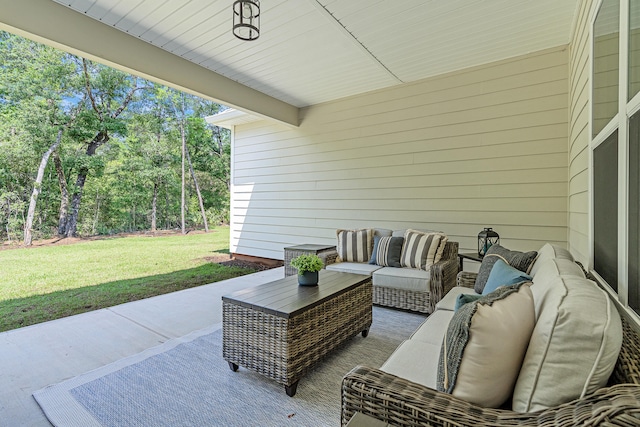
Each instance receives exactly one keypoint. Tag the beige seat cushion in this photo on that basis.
(574, 345)
(415, 361)
(433, 329)
(354, 267)
(402, 278)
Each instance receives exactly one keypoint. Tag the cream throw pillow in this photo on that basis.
(574, 345)
(484, 346)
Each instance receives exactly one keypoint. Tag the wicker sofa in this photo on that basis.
(406, 288)
(396, 393)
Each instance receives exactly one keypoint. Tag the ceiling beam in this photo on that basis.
(53, 24)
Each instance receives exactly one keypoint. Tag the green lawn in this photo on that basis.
(45, 283)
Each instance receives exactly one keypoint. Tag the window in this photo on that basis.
(634, 48)
(605, 210)
(606, 41)
(634, 212)
(615, 148)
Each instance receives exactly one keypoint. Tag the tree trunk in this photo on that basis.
(95, 216)
(72, 220)
(154, 209)
(195, 181)
(8, 219)
(28, 236)
(182, 203)
(64, 195)
(167, 225)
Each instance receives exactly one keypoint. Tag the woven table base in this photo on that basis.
(284, 349)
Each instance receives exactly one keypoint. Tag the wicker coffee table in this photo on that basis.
(281, 329)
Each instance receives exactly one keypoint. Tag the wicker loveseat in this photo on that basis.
(406, 288)
(398, 401)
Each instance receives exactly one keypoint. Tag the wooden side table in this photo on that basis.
(293, 251)
(468, 255)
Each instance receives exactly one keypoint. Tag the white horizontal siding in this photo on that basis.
(487, 146)
(579, 81)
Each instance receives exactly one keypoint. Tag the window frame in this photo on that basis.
(619, 122)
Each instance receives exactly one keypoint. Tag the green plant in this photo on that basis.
(307, 262)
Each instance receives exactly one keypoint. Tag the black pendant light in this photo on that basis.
(246, 19)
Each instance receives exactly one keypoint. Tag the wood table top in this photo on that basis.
(311, 247)
(285, 298)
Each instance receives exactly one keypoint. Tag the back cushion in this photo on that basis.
(382, 232)
(401, 233)
(549, 251)
(574, 345)
(547, 272)
(354, 245)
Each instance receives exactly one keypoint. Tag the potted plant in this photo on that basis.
(308, 266)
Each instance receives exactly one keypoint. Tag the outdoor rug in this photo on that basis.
(186, 382)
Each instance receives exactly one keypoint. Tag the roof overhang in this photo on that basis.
(53, 24)
(230, 118)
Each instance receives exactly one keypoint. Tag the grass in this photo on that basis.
(46, 283)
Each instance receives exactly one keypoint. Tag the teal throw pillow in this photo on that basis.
(520, 260)
(502, 274)
(465, 298)
(376, 243)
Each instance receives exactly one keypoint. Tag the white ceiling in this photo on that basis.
(313, 51)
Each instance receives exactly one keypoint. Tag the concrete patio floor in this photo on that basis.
(36, 356)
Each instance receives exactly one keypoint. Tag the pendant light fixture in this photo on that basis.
(246, 19)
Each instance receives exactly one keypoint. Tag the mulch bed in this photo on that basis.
(232, 262)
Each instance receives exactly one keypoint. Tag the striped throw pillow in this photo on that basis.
(354, 245)
(386, 251)
(420, 249)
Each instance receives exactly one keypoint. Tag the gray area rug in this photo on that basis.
(186, 382)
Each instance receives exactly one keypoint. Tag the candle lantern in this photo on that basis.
(486, 239)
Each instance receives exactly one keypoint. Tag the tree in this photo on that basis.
(108, 93)
(36, 189)
(86, 149)
(64, 193)
(211, 155)
(180, 104)
(36, 80)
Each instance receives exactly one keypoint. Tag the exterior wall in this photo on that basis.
(485, 146)
(579, 138)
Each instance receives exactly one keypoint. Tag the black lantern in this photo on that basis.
(486, 239)
(246, 19)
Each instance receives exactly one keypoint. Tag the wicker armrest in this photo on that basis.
(443, 275)
(404, 403)
(330, 257)
(466, 279)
